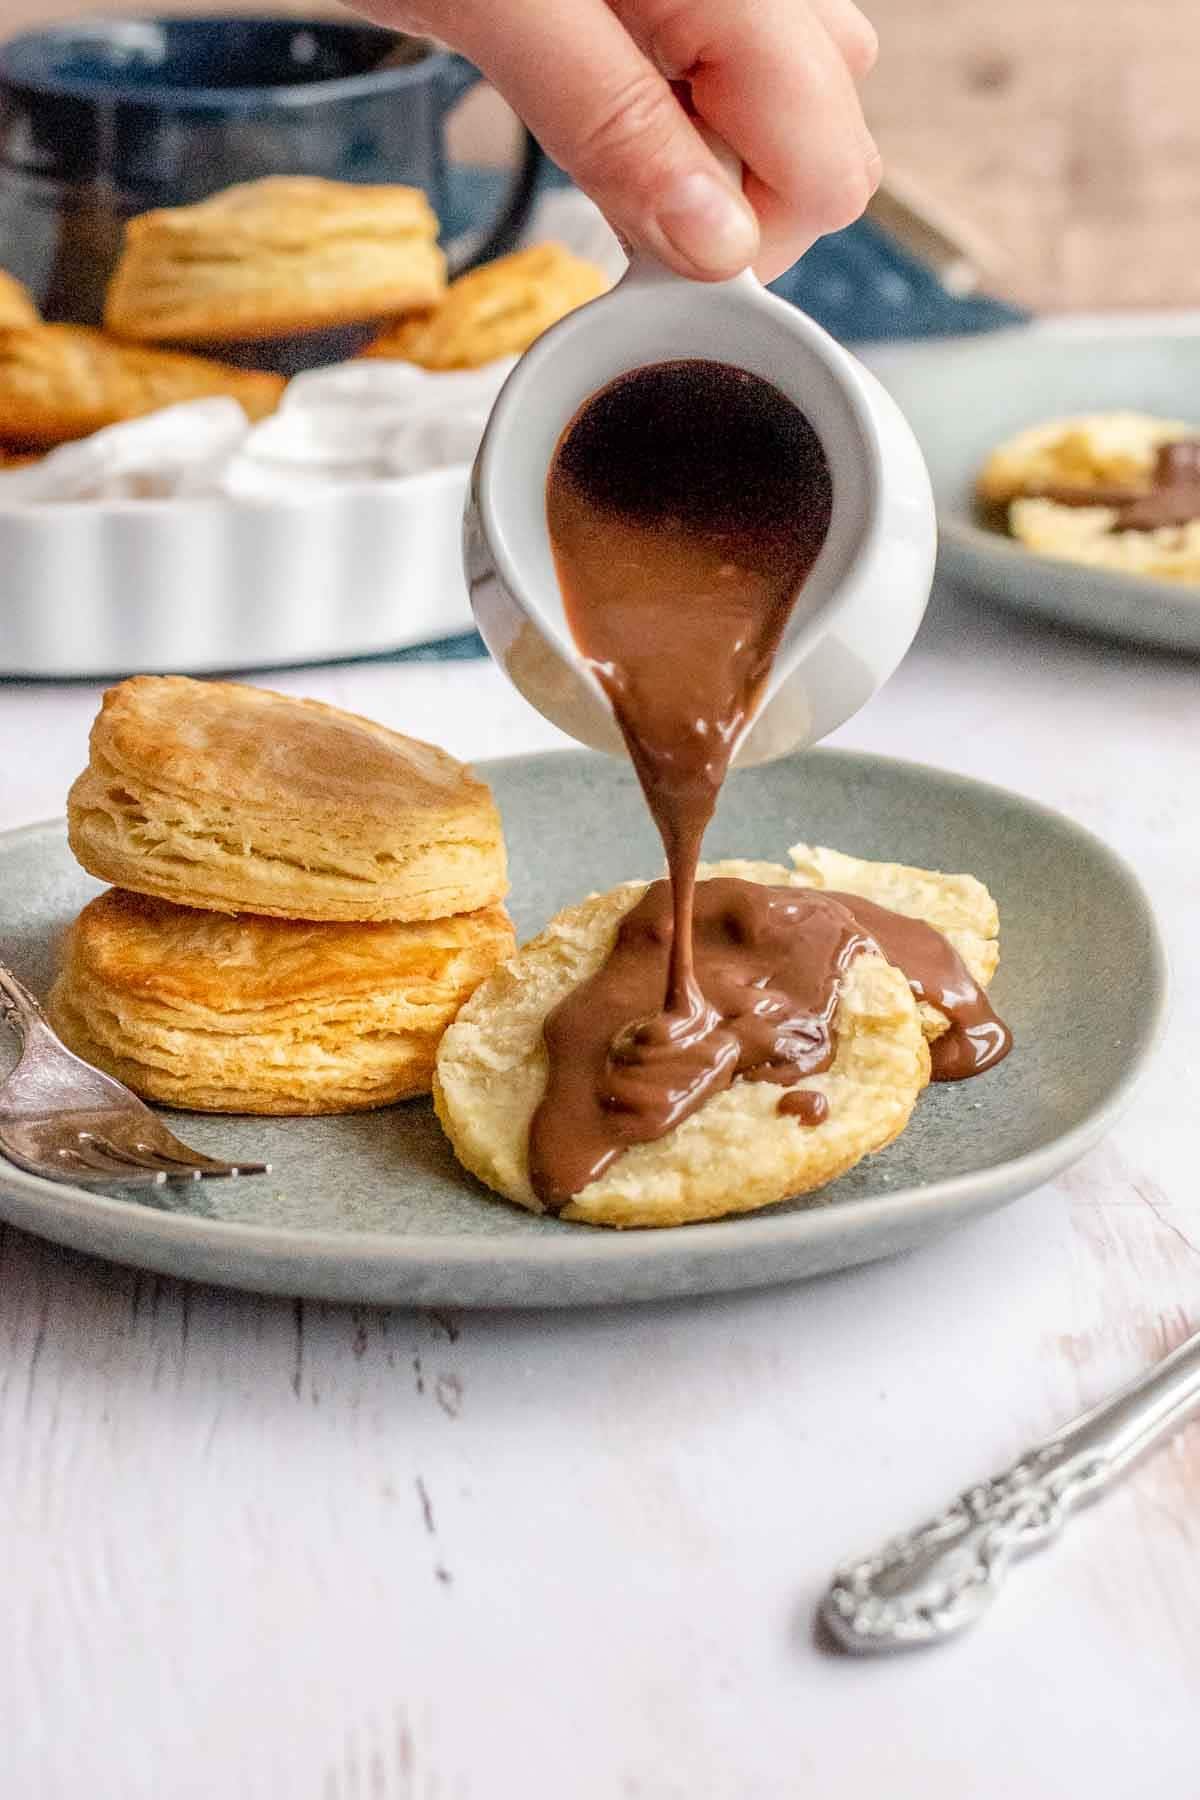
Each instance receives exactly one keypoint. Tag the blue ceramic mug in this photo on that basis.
(101, 119)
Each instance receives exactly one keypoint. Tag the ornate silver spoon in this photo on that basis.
(931, 1583)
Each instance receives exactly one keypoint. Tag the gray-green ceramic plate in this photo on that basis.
(965, 396)
(374, 1207)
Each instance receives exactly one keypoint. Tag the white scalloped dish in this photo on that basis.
(189, 541)
(198, 585)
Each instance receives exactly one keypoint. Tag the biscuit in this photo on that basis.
(284, 254)
(958, 906)
(1086, 534)
(1097, 450)
(235, 799)
(16, 302)
(495, 310)
(736, 1153)
(253, 1015)
(61, 382)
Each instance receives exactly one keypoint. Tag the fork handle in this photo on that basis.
(932, 1582)
(19, 1008)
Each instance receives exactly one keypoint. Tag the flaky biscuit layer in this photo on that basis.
(1085, 534)
(959, 906)
(16, 302)
(257, 1015)
(62, 382)
(237, 799)
(737, 1153)
(496, 310)
(1093, 450)
(284, 254)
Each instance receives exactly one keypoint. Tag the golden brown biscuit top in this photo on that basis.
(495, 310)
(134, 945)
(16, 303)
(271, 751)
(77, 375)
(288, 212)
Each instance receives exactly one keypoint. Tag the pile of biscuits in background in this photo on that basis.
(268, 259)
(303, 901)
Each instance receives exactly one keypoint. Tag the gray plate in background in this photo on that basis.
(964, 396)
(374, 1208)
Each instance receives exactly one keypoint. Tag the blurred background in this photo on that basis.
(1061, 140)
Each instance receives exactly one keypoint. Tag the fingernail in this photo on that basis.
(708, 224)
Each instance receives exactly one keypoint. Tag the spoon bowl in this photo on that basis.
(867, 591)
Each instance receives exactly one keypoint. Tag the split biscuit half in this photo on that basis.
(1093, 450)
(737, 1153)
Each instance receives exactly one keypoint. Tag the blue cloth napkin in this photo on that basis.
(862, 287)
(859, 284)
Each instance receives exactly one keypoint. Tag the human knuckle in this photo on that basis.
(673, 35)
(630, 129)
(860, 46)
(846, 193)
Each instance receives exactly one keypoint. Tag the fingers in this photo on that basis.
(853, 33)
(601, 108)
(775, 79)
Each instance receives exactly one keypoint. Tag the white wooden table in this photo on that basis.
(253, 1548)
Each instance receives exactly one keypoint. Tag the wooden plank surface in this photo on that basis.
(1067, 135)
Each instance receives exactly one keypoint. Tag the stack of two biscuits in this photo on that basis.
(303, 901)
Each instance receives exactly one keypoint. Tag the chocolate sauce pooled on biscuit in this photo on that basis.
(768, 962)
(686, 503)
(1173, 497)
(936, 973)
(805, 1104)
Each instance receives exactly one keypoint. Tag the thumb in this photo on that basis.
(604, 112)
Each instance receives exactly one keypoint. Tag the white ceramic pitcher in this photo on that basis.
(864, 596)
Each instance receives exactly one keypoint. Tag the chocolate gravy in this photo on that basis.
(1173, 497)
(767, 962)
(976, 1038)
(805, 1104)
(686, 504)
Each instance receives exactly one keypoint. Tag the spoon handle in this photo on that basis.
(932, 1582)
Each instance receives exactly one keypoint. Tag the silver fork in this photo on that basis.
(64, 1120)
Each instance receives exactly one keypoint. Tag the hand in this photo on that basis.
(775, 79)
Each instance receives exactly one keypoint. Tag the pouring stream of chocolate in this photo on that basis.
(686, 504)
